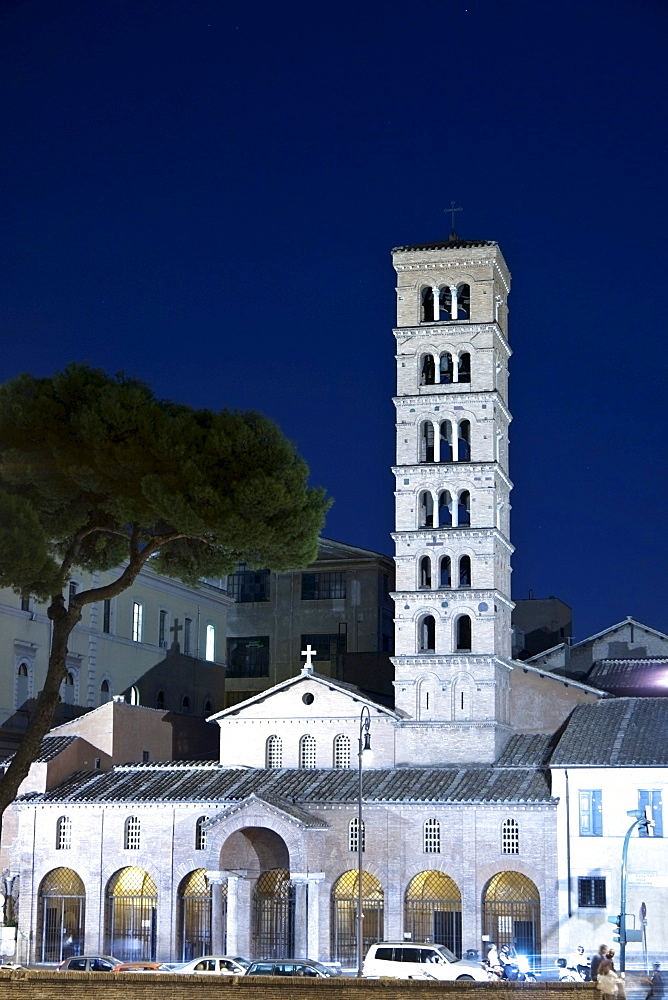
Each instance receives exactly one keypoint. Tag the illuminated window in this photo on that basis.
(210, 648)
(63, 833)
(510, 837)
(432, 837)
(132, 836)
(137, 621)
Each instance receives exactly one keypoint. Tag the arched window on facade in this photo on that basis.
(425, 573)
(445, 303)
(132, 833)
(307, 752)
(200, 834)
(427, 370)
(510, 837)
(464, 508)
(274, 752)
(427, 302)
(185, 704)
(444, 509)
(464, 368)
(445, 368)
(105, 693)
(341, 752)
(427, 441)
(208, 706)
(463, 302)
(464, 441)
(427, 634)
(134, 695)
(465, 571)
(63, 833)
(67, 688)
(353, 833)
(445, 443)
(22, 685)
(160, 699)
(426, 510)
(431, 837)
(445, 572)
(463, 632)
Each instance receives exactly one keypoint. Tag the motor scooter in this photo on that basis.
(569, 974)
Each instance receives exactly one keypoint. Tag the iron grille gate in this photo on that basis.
(274, 915)
(344, 928)
(62, 927)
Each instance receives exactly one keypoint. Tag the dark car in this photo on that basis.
(89, 963)
(290, 967)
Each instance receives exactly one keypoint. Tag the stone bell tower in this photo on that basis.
(453, 606)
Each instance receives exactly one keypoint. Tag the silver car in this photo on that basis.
(214, 965)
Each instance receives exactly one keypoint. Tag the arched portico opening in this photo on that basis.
(433, 910)
(62, 905)
(131, 916)
(344, 915)
(195, 915)
(511, 912)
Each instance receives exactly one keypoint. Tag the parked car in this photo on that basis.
(420, 961)
(90, 963)
(214, 965)
(143, 967)
(291, 967)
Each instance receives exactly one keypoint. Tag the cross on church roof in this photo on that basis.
(309, 653)
(452, 211)
(175, 629)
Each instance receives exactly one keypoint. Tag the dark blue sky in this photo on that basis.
(205, 195)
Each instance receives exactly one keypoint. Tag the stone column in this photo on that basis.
(437, 309)
(307, 913)
(453, 304)
(232, 935)
(215, 880)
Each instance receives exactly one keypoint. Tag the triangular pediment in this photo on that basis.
(272, 806)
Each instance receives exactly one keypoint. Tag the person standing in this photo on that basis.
(596, 961)
(657, 986)
(607, 981)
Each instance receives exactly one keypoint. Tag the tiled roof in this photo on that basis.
(449, 244)
(617, 732)
(51, 746)
(527, 750)
(428, 784)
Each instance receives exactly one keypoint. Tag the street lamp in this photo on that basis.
(641, 817)
(363, 751)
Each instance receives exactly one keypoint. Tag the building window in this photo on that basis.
(137, 621)
(22, 685)
(106, 617)
(510, 837)
(323, 586)
(187, 636)
(425, 573)
(63, 833)
(463, 632)
(328, 646)
(248, 586)
(465, 571)
(445, 574)
(162, 630)
(25, 603)
(131, 838)
(353, 835)
(425, 510)
(307, 752)
(248, 656)
(651, 799)
(591, 892)
(200, 834)
(591, 815)
(428, 370)
(341, 752)
(72, 590)
(431, 837)
(105, 693)
(464, 367)
(210, 647)
(160, 699)
(427, 634)
(274, 752)
(185, 704)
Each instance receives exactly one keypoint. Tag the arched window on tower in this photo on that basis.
(464, 508)
(445, 367)
(427, 441)
(427, 634)
(426, 510)
(274, 752)
(427, 370)
(465, 571)
(446, 441)
(444, 509)
(464, 368)
(463, 632)
(463, 301)
(427, 312)
(445, 572)
(445, 303)
(425, 573)
(464, 441)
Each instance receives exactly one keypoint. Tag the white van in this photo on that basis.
(415, 960)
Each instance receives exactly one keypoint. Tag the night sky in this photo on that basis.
(205, 195)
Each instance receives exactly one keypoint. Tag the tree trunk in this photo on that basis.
(49, 697)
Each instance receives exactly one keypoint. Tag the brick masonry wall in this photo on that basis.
(40, 985)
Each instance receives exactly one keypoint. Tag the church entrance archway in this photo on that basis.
(260, 856)
(511, 912)
(344, 915)
(195, 915)
(62, 904)
(433, 910)
(131, 916)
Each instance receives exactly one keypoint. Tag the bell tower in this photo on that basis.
(453, 606)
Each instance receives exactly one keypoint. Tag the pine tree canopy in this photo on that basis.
(95, 471)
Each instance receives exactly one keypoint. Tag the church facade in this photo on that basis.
(463, 835)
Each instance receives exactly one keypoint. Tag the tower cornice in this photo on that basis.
(402, 470)
(466, 534)
(441, 397)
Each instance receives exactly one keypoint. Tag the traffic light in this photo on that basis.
(617, 921)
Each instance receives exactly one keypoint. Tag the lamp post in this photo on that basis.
(363, 747)
(641, 817)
